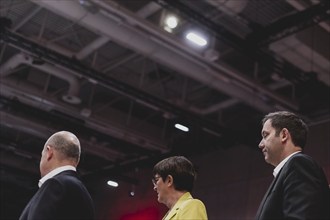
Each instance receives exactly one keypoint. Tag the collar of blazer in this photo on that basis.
(185, 197)
(280, 171)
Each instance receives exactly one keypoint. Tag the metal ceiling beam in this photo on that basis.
(217, 72)
(167, 54)
(19, 59)
(36, 129)
(90, 48)
(30, 97)
(105, 81)
(300, 6)
(146, 11)
(291, 24)
(246, 47)
(26, 18)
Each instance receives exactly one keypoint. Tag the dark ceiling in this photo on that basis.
(110, 73)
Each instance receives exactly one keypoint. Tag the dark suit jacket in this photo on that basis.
(299, 191)
(62, 197)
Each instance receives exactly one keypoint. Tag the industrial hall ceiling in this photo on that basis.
(114, 74)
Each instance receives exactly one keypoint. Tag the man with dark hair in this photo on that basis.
(61, 194)
(299, 189)
(173, 180)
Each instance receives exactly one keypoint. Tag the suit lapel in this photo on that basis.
(271, 187)
(285, 167)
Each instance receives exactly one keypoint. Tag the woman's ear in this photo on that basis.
(169, 180)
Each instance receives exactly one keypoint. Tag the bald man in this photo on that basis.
(61, 194)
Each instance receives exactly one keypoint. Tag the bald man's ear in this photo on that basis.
(49, 152)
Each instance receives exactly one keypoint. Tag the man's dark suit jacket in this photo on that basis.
(299, 191)
(62, 197)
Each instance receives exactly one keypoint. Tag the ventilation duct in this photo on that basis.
(18, 59)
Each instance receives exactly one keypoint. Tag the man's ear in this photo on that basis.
(49, 152)
(285, 135)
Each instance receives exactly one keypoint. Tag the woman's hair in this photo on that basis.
(180, 168)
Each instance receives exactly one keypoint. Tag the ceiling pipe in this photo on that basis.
(72, 95)
(167, 54)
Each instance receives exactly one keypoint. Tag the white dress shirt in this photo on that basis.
(280, 165)
(55, 172)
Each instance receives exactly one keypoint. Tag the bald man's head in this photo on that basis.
(66, 144)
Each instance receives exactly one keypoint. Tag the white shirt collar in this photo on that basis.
(280, 165)
(55, 172)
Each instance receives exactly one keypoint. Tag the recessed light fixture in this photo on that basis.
(181, 127)
(196, 39)
(112, 183)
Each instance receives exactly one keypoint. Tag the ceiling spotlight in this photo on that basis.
(112, 183)
(171, 22)
(181, 127)
(196, 39)
(131, 193)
